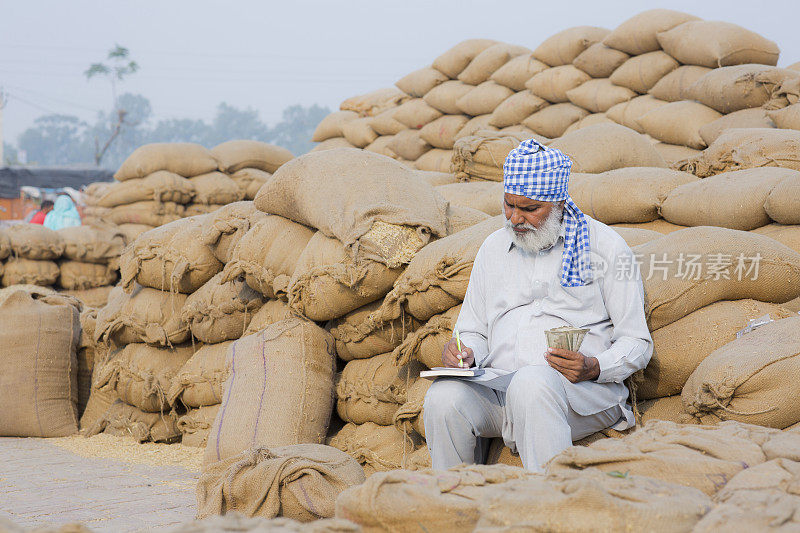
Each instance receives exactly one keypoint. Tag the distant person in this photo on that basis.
(38, 218)
(63, 215)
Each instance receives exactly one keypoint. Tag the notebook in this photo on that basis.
(440, 372)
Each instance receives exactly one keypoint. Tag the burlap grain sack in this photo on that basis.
(637, 35)
(358, 132)
(517, 71)
(172, 257)
(437, 277)
(193, 210)
(131, 232)
(783, 203)
(516, 108)
(419, 82)
(409, 145)
(636, 236)
(272, 311)
(372, 389)
(455, 60)
(18, 271)
(599, 60)
(336, 142)
(787, 117)
(483, 99)
(481, 156)
(40, 336)
(92, 244)
(184, 159)
(731, 200)
(250, 181)
(147, 213)
(681, 346)
(415, 113)
(5, 245)
(750, 379)
(669, 408)
(554, 120)
(427, 342)
(290, 364)
(441, 133)
(563, 47)
(786, 235)
(445, 96)
(436, 178)
(730, 89)
(442, 500)
(676, 156)
(460, 218)
(435, 160)
(98, 405)
(300, 481)
(331, 126)
(142, 375)
(483, 196)
(199, 381)
(375, 102)
(481, 68)
(552, 84)
(225, 227)
(717, 44)
(237, 522)
(598, 96)
(376, 448)
(385, 124)
(144, 315)
(679, 123)
(628, 113)
(381, 146)
(640, 73)
(476, 124)
(160, 186)
(741, 148)
(660, 225)
(304, 190)
(195, 425)
(239, 154)
(80, 276)
(409, 417)
(34, 241)
(221, 310)
(123, 420)
(744, 118)
(96, 297)
(328, 283)
(94, 191)
(269, 249)
(674, 86)
(359, 335)
(215, 188)
(605, 147)
(589, 120)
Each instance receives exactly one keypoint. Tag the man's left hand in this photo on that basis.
(573, 365)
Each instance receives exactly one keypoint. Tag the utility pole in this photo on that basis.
(3, 101)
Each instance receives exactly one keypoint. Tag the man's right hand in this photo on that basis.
(450, 355)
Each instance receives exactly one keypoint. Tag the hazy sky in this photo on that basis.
(268, 55)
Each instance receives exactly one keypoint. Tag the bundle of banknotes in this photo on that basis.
(565, 337)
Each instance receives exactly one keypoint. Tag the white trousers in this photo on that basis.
(533, 416)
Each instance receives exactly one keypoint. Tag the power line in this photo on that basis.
(54, 99)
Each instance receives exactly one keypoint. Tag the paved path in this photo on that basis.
(42, 484)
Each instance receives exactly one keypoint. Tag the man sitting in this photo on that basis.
(40, 215)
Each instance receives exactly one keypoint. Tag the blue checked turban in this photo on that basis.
(540, 173)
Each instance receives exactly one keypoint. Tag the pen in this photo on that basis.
(458, 344)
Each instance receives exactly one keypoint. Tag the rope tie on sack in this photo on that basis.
(742, 413)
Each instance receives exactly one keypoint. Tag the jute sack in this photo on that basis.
(409, 417)
(97, 406)
(385, 124)
(460, 218)
(599, 60)
(637, 35)
(598, 96)
(676, 156)
(671, 296)
(681, 346)
(435, 160)
(441, 133)
(196, 424)
(679, 123)
(673, 86)
(589, 120)
(717, 44)
(300, 482)
(172, 257)
(225, 227)
(516, 108)
(131, 232)
(237, 522)
(142, 375)
(786, 235)
(640, 73)
(94, 191)
(783, 203)
(220, 310)
(552, 84)
(740, 148)
(18, 271)
(123, 420)
(607, 146)
(426, 343)
(750, 379)
(660, 225)
(481, 156)
(483, 99)
(419, 82)
(475, 125)
(96, 297)
(554, 120)
(272, 311)
(92, 244)
(702, 457)
(215, 188)
(455, 60)
(184, 159)
(331, 126)
(5, 245)
(442, 500)
(590, 501)
(409, 145)
(445, 96)
(563, 47)
(236, 155)
(289, 364)
(731, 200)
(147, 213)
(359, 335)
(40, 336)
(415, 113)
(375, 102)
(481, 68)
(34, 241)
(517, 71)
(636, 236)
(270, 248)
(436, 178)
(304, 190)
(372, 389)
(330, 144)
(381, 146)
(160, 186)
(193, 210)
(669, 408)
(483, 196)
(80, 276)
(376, 448)
(744, 118)
(730, 89)
(628, 113)
(787, 117)
(250, 181)
(328, 283)
(437, 277)
(358, 132)
(145, 315)
(199, 381)
(86, 356)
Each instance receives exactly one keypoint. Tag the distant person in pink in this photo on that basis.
(40, 215)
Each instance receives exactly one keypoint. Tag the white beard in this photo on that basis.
(537, 239)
